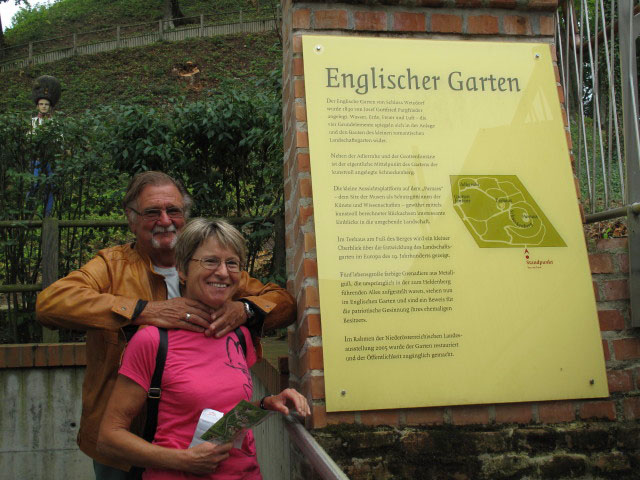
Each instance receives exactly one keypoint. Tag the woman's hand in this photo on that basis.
(288, 398)
(204, 458)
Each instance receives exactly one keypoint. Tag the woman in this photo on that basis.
(200, 372)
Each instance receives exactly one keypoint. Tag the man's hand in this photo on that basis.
(176, 312)
(204, 458)
(226, 319)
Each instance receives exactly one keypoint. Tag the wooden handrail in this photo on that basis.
(129, 25)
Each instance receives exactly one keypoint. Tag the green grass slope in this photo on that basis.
(147, 75)
(65, 17)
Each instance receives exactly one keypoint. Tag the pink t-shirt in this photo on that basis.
(200, 372)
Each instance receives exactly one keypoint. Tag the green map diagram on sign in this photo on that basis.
(500, 213)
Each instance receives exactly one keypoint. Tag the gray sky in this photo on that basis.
(9, 8)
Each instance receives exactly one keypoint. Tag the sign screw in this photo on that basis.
(592, 382)
(318, 48)
(343, 392)
(537, 55)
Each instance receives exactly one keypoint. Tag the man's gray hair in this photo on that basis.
(141, 180)
(198, 230)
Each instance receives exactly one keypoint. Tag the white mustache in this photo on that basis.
(159, 229)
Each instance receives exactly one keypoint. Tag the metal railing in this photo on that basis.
(278, 433)
(629, 20)
(596, 83)
(321, 462)
(135, 35)
(589, 37)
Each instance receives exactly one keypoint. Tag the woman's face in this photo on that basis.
(211, 287)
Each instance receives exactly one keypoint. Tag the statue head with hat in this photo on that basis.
(45, 94)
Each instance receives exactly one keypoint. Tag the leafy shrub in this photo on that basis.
(227, 151)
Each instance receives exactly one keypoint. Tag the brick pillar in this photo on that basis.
(526, 20)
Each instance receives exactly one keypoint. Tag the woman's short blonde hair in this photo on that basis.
(198, 230)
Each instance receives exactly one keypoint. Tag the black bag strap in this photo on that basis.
(155, 392)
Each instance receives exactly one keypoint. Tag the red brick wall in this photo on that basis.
(43, 355)
(532, 20)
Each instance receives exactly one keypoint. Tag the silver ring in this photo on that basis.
(187, 316)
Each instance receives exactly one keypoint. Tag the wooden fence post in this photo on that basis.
(241, 25)
(160, 30)
(118, 36)
(75, 43)
(50, 242)
(30, 59)
(201, 25)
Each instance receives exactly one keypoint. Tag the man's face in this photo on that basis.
(160, 234)
(44, 105)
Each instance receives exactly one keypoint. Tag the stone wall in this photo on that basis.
(40, 394)
(40, 390)
(573, 439)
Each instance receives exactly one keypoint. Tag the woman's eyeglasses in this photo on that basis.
(213, 263)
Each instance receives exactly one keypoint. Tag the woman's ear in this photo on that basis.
(182, 277)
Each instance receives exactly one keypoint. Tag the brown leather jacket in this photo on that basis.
(101, 297)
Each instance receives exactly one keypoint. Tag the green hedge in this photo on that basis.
(227, 150)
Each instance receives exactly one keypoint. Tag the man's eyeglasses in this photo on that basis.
(156, 213)
(213, 263)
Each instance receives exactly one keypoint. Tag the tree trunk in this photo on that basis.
(175, 9)
(171, 11)
(1, 39)
(166, 13)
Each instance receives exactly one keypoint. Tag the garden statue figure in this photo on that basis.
(45, 94)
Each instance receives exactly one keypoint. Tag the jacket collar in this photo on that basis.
(143, 256)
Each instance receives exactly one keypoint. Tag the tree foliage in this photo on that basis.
(17, 2)
(227, 150)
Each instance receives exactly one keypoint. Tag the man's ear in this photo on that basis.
(130, 216)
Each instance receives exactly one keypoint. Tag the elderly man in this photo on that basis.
(137, 284)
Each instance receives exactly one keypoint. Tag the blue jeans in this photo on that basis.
(104, 472)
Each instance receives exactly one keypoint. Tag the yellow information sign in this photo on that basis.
(451, 259)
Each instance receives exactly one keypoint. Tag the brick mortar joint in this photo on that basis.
(429, 35)
(603, 277)
(311, 311)
(313, 341)
(310, 374)
(305, 348)
(303, 201)
(619, 335)
(616, 251)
